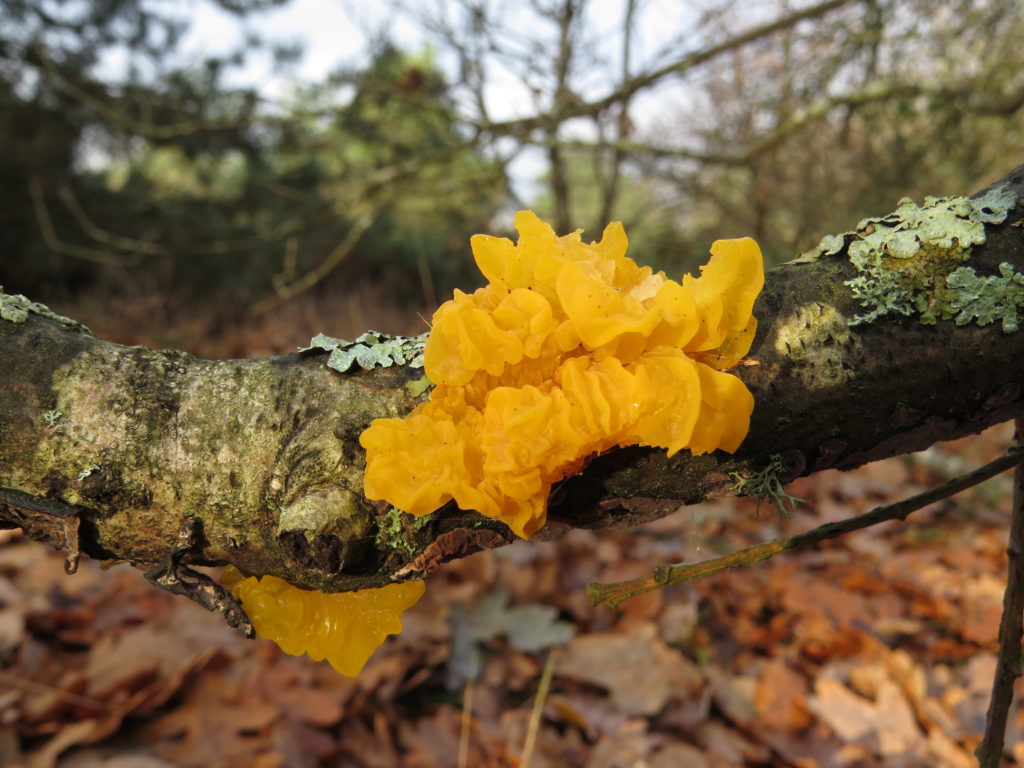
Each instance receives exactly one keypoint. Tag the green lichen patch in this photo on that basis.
(817, 339)
(17, 308)
(766, 485)
(986, 299)
(830, 245)
(905, 261)
(418, 386)
(370, 350)
(391, 531)
(942, 221)
(84, 472)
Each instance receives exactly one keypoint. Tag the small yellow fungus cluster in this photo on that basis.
(571, 349)
(345, 627)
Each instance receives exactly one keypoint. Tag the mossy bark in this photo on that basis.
(157, 456)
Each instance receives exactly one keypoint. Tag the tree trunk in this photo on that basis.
(164, 460)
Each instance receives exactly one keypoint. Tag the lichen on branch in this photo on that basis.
(15, 308)
(912, 262)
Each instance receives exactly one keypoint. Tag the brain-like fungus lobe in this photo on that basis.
(345, 627)
(570, 350)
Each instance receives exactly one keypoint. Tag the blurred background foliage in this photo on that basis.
(168, 204)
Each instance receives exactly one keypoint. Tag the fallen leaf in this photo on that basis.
(733, 693)
(895, 724)
(68, 736)
(529, 628)
(730, 745)
(781, 697)
(639, 671)
(679, 755)
(12, 631)
(948, 754)
(214, 723)
(851, 717)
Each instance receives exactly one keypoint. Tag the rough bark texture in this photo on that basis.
(162, 459)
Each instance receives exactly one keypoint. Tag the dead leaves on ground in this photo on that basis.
(876, 650)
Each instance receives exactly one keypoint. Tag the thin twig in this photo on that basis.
(538, 708)
(100, 235)
(33, 686)
(990, 750)
(318, 273)
(666, 575)
(50, 237)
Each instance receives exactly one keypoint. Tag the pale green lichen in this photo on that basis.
(17, 308)
(391, 533)
(370, 350)
(84, 472)
(817, 339)
(986, 299)
(766, 485)
(418, 386)
(50, 418)
(907, 261)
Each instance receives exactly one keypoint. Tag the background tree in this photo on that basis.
(189, 186)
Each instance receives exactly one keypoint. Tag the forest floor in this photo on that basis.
(877, 649)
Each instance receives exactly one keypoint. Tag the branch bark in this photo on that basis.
(163, 458)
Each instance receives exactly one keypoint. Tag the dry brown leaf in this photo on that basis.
(12, 631)
(781, 697)
(623, 749)
(75, 733)
(639, 671)
(980, 622)
(215, 723)
(895, 724)
(143, 657)
(948, 754)
(92, 758)
(435, 740)
(591, 713)
(678, 755)
(310, 705)
(851, 717)
(730, 746)
(733, 693)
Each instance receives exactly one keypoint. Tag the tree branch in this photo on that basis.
(257, 462)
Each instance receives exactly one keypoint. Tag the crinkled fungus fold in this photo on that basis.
(570, 350)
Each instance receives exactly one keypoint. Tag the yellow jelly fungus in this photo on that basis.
(571, 349)
(343, 627)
